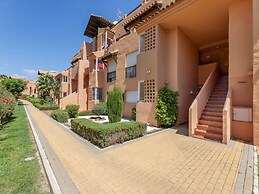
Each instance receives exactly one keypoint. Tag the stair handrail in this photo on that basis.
(227, 117)
(200, 102)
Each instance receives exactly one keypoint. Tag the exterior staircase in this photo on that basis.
(210, 125)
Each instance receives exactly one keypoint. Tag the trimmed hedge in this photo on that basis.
(46, 106)
(85, 113)
(60, 116)
(106, 135)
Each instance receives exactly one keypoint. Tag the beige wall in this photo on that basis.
(240, 59)
(30, 88)
(145, 113)
(78, 71)
(174, 62)
(187, 73)
(256, 71)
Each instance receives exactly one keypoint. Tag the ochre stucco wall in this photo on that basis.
(187, 73)
(240, 59)
(204, 72)
(256, 71)
(30, 88)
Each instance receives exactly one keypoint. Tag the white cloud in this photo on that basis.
(30, 71)
(18, 76)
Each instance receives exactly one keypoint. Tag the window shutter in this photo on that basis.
(132, 97)
(111, 66)
(131, 59)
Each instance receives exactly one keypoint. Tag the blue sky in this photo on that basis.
(37, 34)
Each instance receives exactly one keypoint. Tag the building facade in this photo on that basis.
(205, 50)
(30, 89)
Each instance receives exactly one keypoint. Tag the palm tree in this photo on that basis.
(47, 86)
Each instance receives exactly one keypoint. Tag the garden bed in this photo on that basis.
(106, 135)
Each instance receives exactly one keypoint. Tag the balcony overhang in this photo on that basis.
(144, 11)
(94, 23)
(94, 55)
(112, 54)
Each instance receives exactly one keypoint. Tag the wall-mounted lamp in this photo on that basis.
(191, 92)
(166, 83)
(148, 71)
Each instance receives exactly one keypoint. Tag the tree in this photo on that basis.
(15, 86)
(115, 105)
(47, 86)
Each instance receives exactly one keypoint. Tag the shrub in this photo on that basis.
(100, 107)
(106, 135)
(15, 86)
(167, 107)
(60, 116)
(72, 110)
(115, 105)
(85, 113)
(7, 105)
(133, 114)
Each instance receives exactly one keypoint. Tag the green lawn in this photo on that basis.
(16, 144)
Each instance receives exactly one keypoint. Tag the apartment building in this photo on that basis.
(30, 89)
(206, 50)
(78, 80)
(63, 80)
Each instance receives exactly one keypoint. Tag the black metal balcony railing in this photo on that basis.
(131, 72)
(111, 76)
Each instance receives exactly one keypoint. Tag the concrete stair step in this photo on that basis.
(214, 137)
(198, 136)
(219, 93)
(215, 106)
(199, 132)
(216, 102)
(208, 129)
(216, 110)
(211, 118)
(220, 90)
(211, 123)
(214, 114)
(218, 96)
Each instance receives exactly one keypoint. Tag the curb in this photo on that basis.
(50, 174)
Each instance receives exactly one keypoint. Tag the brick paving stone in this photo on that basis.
(162, 163)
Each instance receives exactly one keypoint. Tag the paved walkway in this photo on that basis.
(162, 163)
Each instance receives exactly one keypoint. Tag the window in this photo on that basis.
(132, 97)
(64, 79)
(97, 94)
(141, 89)
(111, 75)
(131, 62)
(64, 94)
